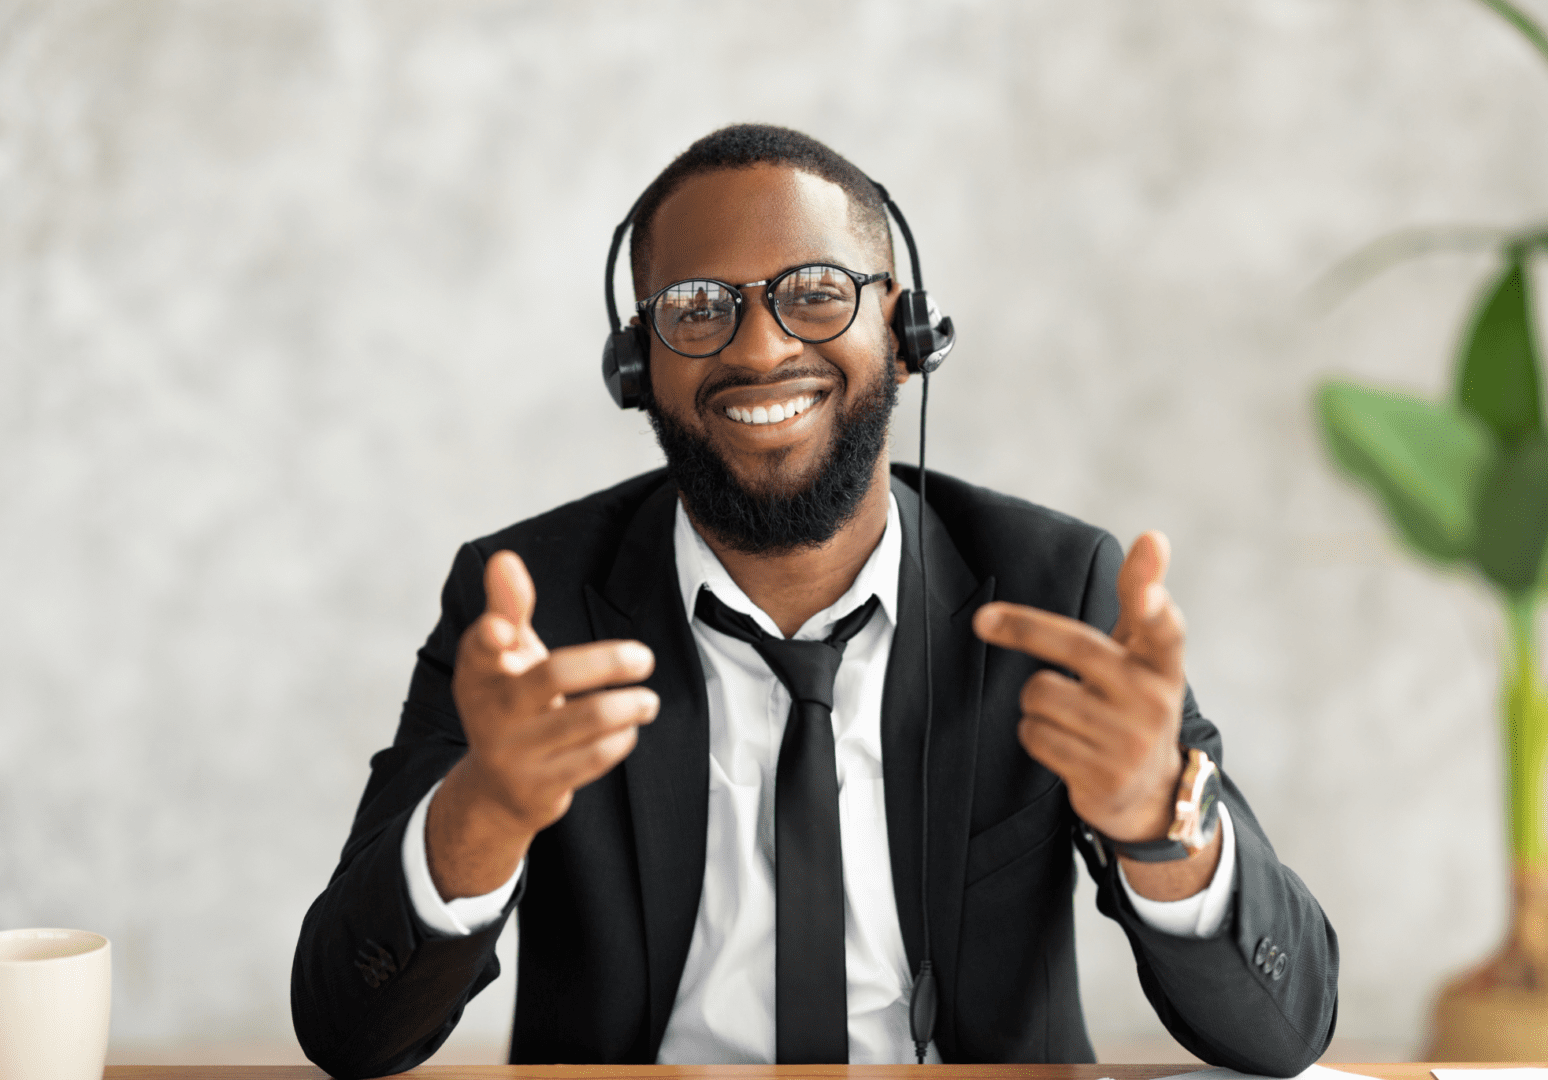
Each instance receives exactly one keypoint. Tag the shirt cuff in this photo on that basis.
(1201, 914)
(450, 918)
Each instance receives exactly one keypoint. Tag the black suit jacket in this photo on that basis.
(608, 905)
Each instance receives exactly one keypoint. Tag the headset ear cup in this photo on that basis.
(911, 323)
(642, 350)
(943, 338)
(626, 366)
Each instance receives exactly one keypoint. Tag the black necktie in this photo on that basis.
(811, 1009)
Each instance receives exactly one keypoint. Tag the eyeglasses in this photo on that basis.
(699, 317)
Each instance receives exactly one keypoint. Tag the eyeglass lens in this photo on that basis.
(813, 303)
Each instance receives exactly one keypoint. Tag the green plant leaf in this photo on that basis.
(1497, 373)
(1423, 460)
(1513, 517)
(1522, 22)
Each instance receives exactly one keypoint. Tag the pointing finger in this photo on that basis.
(510, 598)
(1150, 625)
(1158, 641)
(579, 669)
(1070, 643)
(584, 720)
(508, 588)
(1141, 588)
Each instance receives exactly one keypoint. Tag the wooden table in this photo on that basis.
(1383, 1071)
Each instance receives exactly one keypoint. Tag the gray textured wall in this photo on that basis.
(295, 297)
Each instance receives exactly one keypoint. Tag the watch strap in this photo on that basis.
(1162, 850)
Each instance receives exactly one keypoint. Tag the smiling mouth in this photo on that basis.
(773, 414)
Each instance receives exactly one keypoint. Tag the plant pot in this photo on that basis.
(1499, 1010)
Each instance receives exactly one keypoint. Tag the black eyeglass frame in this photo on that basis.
(646, 308)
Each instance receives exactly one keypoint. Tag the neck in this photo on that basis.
(794, 586)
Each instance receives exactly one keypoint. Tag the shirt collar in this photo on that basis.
(698, 566)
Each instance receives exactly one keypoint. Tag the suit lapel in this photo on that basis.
(957, 666)
(667, 774)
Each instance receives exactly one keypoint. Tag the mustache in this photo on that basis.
(736, 378)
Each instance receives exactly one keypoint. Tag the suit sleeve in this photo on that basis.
(1215, 995)
(374, 990)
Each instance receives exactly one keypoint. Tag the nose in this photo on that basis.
(761, 344)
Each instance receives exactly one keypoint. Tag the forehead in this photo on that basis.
(748, 224)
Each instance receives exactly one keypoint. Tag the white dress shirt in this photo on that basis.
(724, 1012)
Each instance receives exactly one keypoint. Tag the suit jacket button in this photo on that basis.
(1268, 960)
(1280, 965)
(1263, 948)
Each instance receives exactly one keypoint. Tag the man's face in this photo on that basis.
(749, 225)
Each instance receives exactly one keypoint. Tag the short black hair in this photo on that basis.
(741, 146)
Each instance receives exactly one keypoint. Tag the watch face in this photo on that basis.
(1198, 794)
(1209, 806)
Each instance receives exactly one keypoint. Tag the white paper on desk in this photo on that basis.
(1316, 1072)
(1489, 1074)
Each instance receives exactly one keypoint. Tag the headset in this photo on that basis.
(925, 338)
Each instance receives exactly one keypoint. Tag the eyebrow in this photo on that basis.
(829, 260)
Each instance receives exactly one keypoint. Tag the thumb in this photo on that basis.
(510, 594)
(1141, 583)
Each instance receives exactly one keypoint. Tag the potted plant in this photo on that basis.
(1464, 482)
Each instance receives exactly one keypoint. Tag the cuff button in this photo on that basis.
(376, 964)
(1279, 966)
(1267, 966)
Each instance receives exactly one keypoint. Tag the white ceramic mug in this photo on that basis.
(56, 989)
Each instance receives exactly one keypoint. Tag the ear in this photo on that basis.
(889, 299)
(650, 339)
(889, 306)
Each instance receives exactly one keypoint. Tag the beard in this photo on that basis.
(780, 520)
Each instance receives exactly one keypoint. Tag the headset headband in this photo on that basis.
(612, 261)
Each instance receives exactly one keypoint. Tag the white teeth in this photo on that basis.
(773, 414)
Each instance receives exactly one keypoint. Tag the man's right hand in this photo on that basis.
(538, 726)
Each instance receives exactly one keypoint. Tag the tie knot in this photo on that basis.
(807, 668)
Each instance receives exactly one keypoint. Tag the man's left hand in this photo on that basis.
(1112, 734)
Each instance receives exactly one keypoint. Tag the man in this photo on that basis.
(715, 862)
